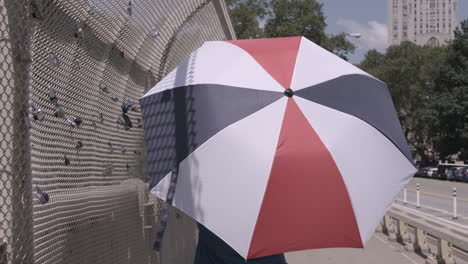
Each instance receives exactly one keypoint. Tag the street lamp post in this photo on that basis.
(354, 35)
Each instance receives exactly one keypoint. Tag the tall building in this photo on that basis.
(424, 22)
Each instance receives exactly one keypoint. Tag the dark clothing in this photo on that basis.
(213, 250)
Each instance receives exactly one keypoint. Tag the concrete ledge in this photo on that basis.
(414, 230)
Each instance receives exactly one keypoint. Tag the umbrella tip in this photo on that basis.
(289, 92)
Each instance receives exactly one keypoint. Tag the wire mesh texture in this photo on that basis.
(73, 186)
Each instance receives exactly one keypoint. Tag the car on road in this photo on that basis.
(461, 174)
(420, 173)
(428, 172)
(452, 172)
(431, 172)
(444, 170)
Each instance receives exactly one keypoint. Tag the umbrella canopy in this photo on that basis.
(279, 144)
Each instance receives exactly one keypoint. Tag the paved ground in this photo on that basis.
(436, 199)
(440, 187)
(378, 251)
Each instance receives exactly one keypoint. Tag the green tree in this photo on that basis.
(245, 16)
(284, 18)
(339, 45)
(297, 18)
(305, 18)
(409, 71)
(429, 86)
(372, 61)
(451, 89)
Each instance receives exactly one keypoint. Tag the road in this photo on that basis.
(437, 195)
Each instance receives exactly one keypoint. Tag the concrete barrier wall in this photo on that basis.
(437, 241)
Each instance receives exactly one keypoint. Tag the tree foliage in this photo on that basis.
(285, 18)
(297, 18)
(246, 16)
(451, 89)
(429, 86)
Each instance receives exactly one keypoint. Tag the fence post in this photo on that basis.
(16, 178)
(149, 226)
(444, 252)
(3, 252)
(402, 232)
(410, 244)
(405, 201)
(420, 243)
(390, 228)
(455, 203)
(418, 202)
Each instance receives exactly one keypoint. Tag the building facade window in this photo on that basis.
(414, 18)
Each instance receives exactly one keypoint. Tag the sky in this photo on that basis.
(368, 17)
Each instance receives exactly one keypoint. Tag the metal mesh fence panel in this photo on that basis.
(15, 179)
(180, 238)
(73, 184)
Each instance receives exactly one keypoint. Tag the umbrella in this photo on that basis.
(275, 145)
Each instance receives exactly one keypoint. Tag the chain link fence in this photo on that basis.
(73, 187)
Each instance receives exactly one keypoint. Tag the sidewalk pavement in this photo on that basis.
(377, 251)
(461, 221)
